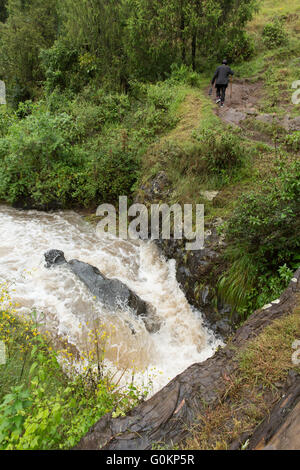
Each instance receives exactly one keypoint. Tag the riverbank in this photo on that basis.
(45, 403)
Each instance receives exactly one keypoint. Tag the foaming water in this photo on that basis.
(68, 309)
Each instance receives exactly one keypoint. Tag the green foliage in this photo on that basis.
(12, 410)
(223, 150)
(81, 150)
(274, 34)
(7, 118)
(240, 48)
(30, 25)
(3, 10)
(70, 43)
(184, 74)
(246, 289)
(41, 407)
(267, 223)
(61, 67)
(43, 166)
(292, 141)
(36, 155)
(263, 233)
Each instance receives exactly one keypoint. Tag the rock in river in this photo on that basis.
(111, 292)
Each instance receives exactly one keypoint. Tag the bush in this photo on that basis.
(263, 232)
(7, 118)
(61, 67)
(222, 150)
(41, 407)
(274, 34)
(267, 224)
(42, 165)
(184, 74)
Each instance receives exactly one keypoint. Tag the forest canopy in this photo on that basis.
(69, 43)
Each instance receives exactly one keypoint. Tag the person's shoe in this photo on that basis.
(218, 100)
(222, 105)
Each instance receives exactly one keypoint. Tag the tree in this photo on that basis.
(3, 10)
(30, 26)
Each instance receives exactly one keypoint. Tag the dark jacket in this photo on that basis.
(221, 76)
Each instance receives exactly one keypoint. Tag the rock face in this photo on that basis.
(111, 292)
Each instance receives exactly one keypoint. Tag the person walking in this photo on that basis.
(221, 78)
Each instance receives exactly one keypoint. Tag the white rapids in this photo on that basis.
(68, 310)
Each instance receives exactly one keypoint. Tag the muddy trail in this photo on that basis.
(242, 109)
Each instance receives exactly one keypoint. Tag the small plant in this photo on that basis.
(274, 34)
(263, 231)
(292, 141)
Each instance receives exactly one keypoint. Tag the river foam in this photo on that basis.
(68, 310)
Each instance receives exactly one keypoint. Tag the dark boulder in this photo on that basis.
(111, 292)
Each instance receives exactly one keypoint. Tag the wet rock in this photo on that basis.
(54, 257)
(112, 293)
(155, 190)
(205, 294)
(223, 327)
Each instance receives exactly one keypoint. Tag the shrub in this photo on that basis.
(184, 74)
(61, 67)
(240, 48)
(42, 166)
(274, 34)
(267, 224)
(41, 407)
(292, 141)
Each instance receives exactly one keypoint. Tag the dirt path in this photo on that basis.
(243, 103)
(242, 98)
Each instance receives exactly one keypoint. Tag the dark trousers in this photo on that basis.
(221, 91)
